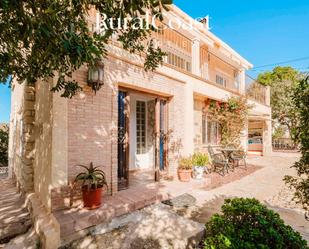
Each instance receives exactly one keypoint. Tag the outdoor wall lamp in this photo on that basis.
(96, 76)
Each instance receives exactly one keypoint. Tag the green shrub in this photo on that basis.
(200, 159)
(4, 144)
(247, 224)
(185, 163)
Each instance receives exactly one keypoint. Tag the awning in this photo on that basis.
(264, 117)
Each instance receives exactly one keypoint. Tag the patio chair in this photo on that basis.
(238, 156)
(218, 160)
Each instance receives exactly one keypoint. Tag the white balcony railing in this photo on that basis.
(177, 47)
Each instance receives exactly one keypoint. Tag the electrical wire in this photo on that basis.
(280, 63)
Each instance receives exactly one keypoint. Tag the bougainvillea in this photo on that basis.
(232, 117)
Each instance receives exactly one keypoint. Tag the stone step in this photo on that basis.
(29, 240)
(154, 227)
(15, 219)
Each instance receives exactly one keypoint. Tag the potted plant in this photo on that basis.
(199, 161)
(185, 169)
(93, 180)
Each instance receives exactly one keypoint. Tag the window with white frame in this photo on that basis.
(140, 127)
(221, 80)
(210, 131)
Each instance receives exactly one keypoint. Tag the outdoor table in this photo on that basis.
(228, 152)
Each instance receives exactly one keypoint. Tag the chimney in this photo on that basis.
(205, 21)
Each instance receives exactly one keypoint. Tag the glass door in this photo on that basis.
(161, 140)
(123, 145)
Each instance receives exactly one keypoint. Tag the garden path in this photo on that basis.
(15, 221)
(265, 184)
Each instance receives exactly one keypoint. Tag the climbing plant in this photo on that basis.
(232, 117)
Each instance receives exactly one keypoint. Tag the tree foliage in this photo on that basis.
(41, 39)
(4, 144)
(301, 183)
(232, 117)
(279, 132)
(247, 224)
(282, 81)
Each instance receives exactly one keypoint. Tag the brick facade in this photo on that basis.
(84, 129)
(92, 123)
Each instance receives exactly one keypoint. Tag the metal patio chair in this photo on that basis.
(238, 156)
(218, 161)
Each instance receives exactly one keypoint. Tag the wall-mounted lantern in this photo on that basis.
(96, 76)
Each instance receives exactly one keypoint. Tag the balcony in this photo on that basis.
(177, 47)
(256, 91)
(191, 57)
(218, 71)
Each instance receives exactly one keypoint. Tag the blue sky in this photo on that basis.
(5, 99)
(263, 31)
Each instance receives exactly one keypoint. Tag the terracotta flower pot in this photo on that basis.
(92, 197)
(184, 175)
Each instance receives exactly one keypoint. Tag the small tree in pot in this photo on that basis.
(93, 181)
(199, 161)
(185, 169)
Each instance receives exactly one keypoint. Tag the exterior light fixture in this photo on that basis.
(96, 76)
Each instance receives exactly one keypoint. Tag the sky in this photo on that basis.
(262, 31)
(5, 102)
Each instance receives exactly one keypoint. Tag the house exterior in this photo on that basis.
(138, 121)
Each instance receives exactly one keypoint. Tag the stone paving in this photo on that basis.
(154, 227)
(261, 184)
(15, 220)
(264, 184)
(75, 220)
(141, 194)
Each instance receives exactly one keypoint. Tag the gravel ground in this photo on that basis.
(29, 240)
(154, 227)
(284, 199)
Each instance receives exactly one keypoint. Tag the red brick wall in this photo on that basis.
(65, 197)
(92, 120)
(92, 123)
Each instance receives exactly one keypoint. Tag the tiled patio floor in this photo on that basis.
(143, 192)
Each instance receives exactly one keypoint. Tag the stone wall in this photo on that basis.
(28, 139)
(43, 143)
(22, 143)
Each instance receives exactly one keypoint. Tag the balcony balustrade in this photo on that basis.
(182, 56)
(177, 47)
(218, 71)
